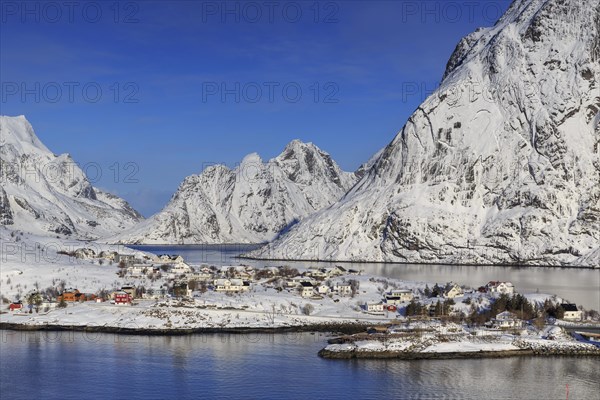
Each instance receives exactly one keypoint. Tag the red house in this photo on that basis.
(122, 298)
(15, 306)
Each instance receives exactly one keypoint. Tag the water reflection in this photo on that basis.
(267, 366)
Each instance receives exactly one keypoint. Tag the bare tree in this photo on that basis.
(307, 309)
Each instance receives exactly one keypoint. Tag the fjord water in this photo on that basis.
(64, 365)
(75, 365)
(581, 286)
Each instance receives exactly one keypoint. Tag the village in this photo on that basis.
(164, 292)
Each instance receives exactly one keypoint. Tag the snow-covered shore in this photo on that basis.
(149, 316)
(439, 341)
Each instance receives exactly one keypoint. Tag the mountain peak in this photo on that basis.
(18, 131)
(499, 165)
(252, 158)
(251, 204)
(44, 193)
(297, 149)
(298, 144)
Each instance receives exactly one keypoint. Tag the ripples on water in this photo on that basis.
(37, 365)
(77, 366)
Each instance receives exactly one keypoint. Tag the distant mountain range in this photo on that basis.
(251, 203)
(500, 165)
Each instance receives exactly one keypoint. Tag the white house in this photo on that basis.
(224, 285)
(307, 289)
(298, 279)
(323, 289)
(181, 268)
(231, 285)
(337, 271)
(237, 271)
(342, 289)
(403, 294)
(453, 291)
(127, 259)
(108, 255)
(170, 258)
(506, 320)
(375, 307)
(136, 269)
(317, 272)
(201, 276)
(155, 293)
(571, 312)
(500, 287)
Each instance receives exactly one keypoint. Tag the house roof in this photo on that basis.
(306, 284)
(569, 307)
(506, 315)
(496, 283)
(455, 287)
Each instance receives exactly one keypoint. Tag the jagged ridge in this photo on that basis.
(251, 203)
(43, 193)
(499, 165)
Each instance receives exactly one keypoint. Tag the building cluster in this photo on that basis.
(497, 287)
(186, 280)
(178, 279)
(393, 299)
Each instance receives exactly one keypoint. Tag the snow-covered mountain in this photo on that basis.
(500, 165)
(251, 203)
(43, 193)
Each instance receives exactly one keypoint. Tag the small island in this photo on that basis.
(437, 339)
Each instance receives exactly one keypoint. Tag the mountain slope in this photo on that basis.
(43, 193)
(501, 164)
(249, 204)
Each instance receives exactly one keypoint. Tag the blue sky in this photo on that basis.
(148, 92)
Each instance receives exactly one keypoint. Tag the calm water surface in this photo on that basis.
(54, 365)
(104, 366)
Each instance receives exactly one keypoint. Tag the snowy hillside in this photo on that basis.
(43, 193)
(501, 164)
(249, 204)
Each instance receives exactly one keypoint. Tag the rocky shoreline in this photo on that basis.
(336, 328)
(407, 347)
(400, 355)
(461, 263)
